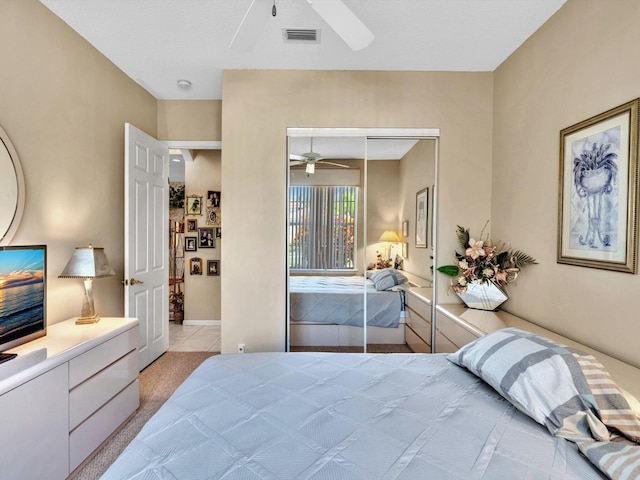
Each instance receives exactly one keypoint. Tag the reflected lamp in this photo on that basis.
(389, 237)
(88, 263)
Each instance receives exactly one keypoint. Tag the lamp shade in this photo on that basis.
(88, 262)
(389, 236)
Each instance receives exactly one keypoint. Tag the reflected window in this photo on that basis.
(322, 226)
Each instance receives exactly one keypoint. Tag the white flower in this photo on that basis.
(487, 272)
(463, 264)
(462, 281)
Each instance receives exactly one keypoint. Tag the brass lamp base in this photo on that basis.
(88, 320)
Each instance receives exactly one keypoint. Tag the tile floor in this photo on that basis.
(194, 338)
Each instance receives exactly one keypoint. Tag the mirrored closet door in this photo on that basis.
(349, 240)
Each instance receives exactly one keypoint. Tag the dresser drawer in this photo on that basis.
(90, 435)
(89, 396)
(454, 333)
(444, 345)
(420, 307)
(414, 341)
(420, 325)
(91, 362)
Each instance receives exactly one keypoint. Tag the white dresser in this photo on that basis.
(65, 394)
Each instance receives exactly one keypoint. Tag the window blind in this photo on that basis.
(322, 227)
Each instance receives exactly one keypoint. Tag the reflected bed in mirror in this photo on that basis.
(11, 189)
(360, 185)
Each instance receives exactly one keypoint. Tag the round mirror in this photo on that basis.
(11, 189)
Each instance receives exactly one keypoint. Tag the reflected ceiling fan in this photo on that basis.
(337, 15)
(311, 158)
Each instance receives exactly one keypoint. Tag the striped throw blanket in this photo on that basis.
(563, 388)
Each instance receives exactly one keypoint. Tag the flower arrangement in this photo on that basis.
(484, 261)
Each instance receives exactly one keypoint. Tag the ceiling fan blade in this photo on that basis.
(296, 162)
(251, 26)
(301, 158)
(344, 22)
(334, 164)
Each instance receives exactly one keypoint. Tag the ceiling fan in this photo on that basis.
(311, 158)
(337, 15)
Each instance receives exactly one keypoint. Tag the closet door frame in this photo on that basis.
(370, 133)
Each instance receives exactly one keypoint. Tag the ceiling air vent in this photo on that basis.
(300, 35)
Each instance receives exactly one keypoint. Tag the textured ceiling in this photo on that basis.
(158, 42)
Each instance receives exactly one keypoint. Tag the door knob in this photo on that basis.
(133, 281)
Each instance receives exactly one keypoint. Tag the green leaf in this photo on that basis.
(450, 270)
(521, 259)
(463, 237)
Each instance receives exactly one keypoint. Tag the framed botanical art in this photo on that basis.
(422, 212)
(597, 218)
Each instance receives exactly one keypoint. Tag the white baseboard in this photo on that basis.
(202, 322)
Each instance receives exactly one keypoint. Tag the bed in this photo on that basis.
(392, 416)
(329, 310)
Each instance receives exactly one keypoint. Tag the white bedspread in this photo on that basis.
(340, 300)
(343, 416)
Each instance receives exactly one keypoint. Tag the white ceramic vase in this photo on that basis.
(483, 296)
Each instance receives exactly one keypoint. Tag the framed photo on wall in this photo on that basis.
(422, 213)
(213, 199)
(190, 244)
(195, 266)
(213, 268)
(194, 205)
(206, 237)
(598, 191)
(192, 225)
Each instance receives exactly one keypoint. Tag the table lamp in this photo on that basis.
(88, 263)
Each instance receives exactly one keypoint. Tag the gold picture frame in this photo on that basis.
(597, 207)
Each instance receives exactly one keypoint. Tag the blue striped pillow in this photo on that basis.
(387, 278)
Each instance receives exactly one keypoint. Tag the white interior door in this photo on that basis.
(146, 249)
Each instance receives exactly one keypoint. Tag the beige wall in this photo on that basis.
(202, 292)
(258, 106)
(195, 120)
(383, 178)
(64, 106)
(417, 171)
(580, 63)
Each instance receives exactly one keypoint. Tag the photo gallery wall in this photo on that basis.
(203, 233)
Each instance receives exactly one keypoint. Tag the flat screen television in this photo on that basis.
(23, 276)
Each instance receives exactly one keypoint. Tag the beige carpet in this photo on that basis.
(157, 382)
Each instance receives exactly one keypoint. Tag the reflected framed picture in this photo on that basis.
(405, 250)
(422, 213)
(405, 228)
(598, 191)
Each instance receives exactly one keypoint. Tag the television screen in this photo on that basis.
(22, 294)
